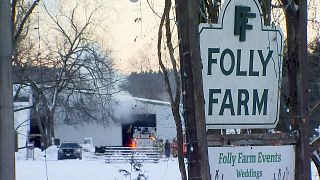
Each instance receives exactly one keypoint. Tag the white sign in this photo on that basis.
(252, 162)
(242, 61)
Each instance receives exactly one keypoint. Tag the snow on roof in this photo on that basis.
(150, 101)
(125, 105)
(24, 91)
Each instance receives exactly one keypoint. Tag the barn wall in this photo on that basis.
(22, 117)
(166, 128)
(102, 135)
(111, 135)
(21, 123)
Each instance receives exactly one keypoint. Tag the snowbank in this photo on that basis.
(50, 153)
(92, 167)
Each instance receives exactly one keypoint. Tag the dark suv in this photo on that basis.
(69, 151)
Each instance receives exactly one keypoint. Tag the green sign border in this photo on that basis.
(280, 77)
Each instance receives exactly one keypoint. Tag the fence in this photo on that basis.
(114, 154)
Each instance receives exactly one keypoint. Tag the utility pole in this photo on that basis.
(199, 102)
(7, 143)
(194, 167)
(193, 100)
(303, 146)
(298, 82)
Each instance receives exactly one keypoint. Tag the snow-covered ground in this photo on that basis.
(90, 168)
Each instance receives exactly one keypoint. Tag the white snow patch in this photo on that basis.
(88, 168)
(92, 167)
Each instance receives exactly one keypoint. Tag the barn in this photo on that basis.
(132, 114)
(22, 114)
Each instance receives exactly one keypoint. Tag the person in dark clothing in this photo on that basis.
(167, 149)
(174, 148)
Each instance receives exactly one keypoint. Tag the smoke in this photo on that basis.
(123, 107)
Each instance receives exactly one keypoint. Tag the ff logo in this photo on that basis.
(242, 13)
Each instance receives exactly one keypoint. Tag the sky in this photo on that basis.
(131, 35)
(131, 27)
(125, 27)
(131, 30)
(129, 38)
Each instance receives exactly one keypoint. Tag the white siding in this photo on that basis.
(101, 135)
(21, 122)
(111, 135)
(22, 117)
(166, 128)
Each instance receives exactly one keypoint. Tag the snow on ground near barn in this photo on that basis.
(90, 168)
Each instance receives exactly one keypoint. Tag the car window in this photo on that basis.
(87, 141)
(69, 145)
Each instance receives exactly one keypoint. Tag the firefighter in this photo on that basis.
(174, 148)
(167, 149)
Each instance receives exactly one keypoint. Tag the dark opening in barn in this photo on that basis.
(141, 123)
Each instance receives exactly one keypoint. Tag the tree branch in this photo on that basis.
(290, 7)
(24, 20)
(172, 58)
(163, 68)
(24, 108)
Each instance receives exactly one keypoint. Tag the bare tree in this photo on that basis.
(70, 62)
(142, 62)
(21, 12)
(174, 99)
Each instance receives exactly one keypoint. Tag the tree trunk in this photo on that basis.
(298, 84)
(187, 17)
(177, 119)
(50, 126)
(194, 167)
(174, 101)
(198, 88)
(42, 132)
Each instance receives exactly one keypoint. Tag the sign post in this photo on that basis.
(242, 70)
(242, 62)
